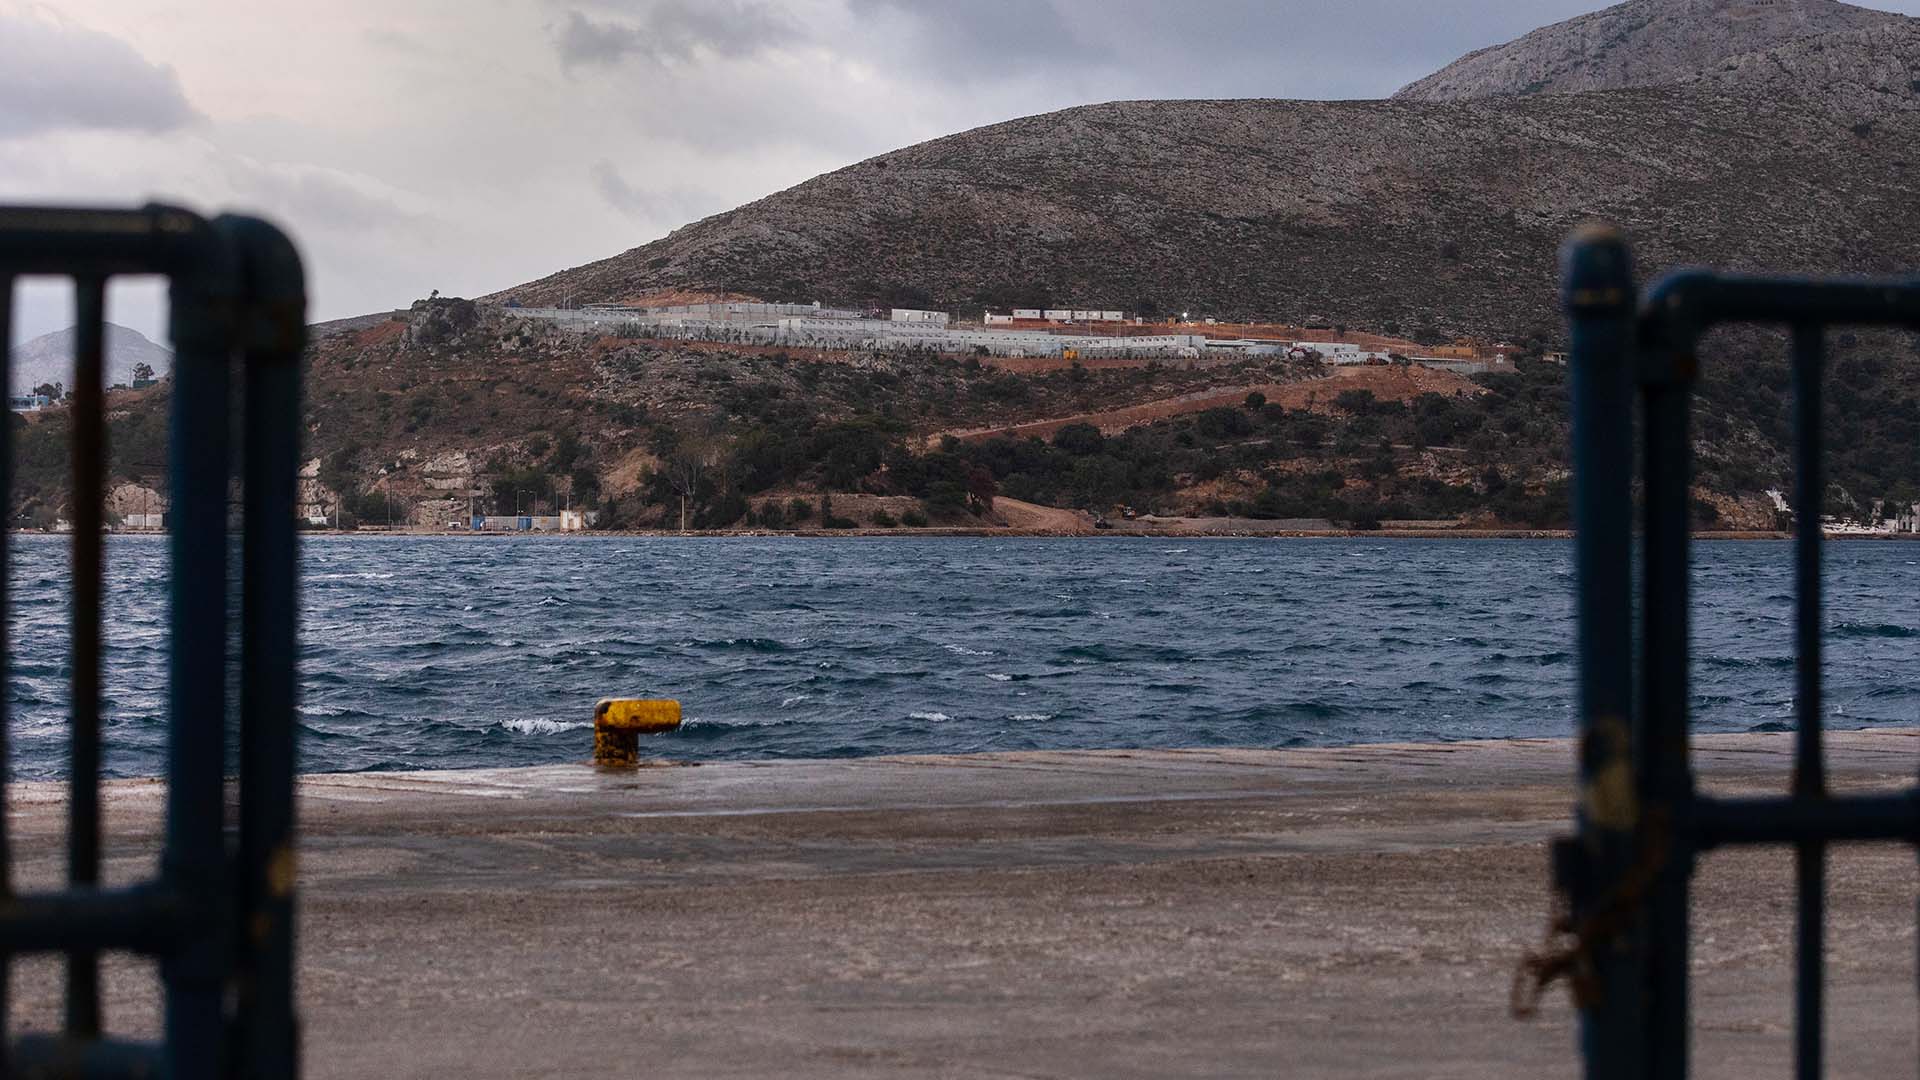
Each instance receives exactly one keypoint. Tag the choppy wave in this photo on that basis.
(427, 654)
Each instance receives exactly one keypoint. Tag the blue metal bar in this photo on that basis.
(1809, 764)
(1599, 298)
(1674, 822)
(272, 340)
(153, 239)
(6, 662)
(145, 918)
(195, 860)
(1694, 300)
(1664, 772)
(88, 433)
(92, 1059)
(1718, 821)
(228, 1006)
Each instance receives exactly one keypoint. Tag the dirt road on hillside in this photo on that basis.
(1385, 383)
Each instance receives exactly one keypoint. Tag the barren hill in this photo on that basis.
(1641, 43)
(49, 357)
(1425, 217)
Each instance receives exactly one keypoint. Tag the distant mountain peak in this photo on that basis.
(49, 357)
(1642, 43)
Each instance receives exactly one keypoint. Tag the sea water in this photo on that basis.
(428, 653)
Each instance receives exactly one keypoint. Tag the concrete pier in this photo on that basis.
(1351, 912)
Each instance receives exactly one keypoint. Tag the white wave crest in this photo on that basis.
(964, 651)
(935, 716)
(540, 725)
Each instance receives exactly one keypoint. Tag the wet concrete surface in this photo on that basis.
(1316, 912)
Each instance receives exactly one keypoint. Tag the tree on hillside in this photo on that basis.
(142, 372)
(1079, 438)
(982, 487)
(688, 467)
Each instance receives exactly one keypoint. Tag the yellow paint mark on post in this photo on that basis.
(618, 724)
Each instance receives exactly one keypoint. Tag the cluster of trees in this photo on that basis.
(1346, 464)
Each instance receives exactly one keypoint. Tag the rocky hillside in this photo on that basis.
(1772, 136)
(1641, 43)
(1428, 218)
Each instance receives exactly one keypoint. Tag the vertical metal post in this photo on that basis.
(1809, 764)
(273, 337)
(1599, 298)
(195, 860)
(1665, 775)
(88, 433)
(6, 645)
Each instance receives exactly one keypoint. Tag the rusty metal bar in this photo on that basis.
(1599, 298)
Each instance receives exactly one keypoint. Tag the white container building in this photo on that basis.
(928, 318)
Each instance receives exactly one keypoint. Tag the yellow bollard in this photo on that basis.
(618, 724)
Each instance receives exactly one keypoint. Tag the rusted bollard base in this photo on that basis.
(612, 746)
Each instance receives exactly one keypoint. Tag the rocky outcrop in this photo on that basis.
(441, 320)
(1642, 43)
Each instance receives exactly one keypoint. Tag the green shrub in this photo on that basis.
(914, 519)
(883, 520)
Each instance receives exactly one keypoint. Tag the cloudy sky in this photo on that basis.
(468, 145)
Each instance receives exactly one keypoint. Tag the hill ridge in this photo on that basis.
(1641, 43)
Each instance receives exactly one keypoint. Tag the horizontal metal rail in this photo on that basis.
(148, 918)
(1717, 822)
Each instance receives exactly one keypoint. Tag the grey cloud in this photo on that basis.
(1099, 49)
(317, 198)
(57, 76)
(672, 32)
(619, 194)
(672, 207)
(984, 38)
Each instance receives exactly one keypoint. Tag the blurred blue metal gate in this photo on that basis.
(1641, 823)
(218, 918)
